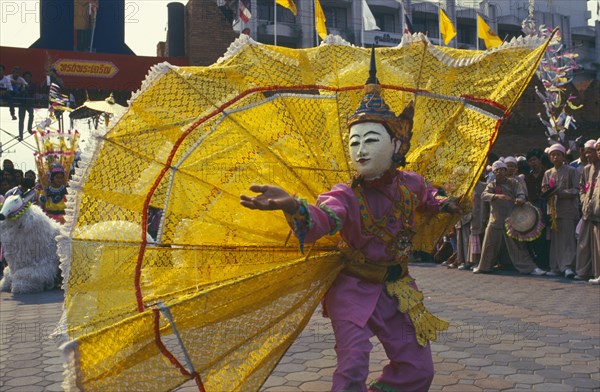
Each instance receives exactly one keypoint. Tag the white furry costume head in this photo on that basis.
(28, 242)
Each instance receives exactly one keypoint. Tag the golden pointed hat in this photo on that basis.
(372, 108)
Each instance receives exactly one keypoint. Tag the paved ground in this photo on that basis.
(508, 332)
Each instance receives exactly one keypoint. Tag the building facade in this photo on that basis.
(277, 25)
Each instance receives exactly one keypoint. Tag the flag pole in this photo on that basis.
(315, 23)
(440, 23)
(402, 17)
(362, 25)
(93, 13)
(275, 22)
(405, 21)
(239, 17)
(477, 30)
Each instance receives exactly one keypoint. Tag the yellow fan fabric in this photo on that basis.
(223, 291)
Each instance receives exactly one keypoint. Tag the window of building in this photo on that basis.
(385, 21)
(426, 23)
(265, 12)
(582, 43)
(337, 17)
(507, 32)
(465, 34)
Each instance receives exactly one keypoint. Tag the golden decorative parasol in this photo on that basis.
(95, 109)
(223, 291)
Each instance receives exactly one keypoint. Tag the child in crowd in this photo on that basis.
(477, 226)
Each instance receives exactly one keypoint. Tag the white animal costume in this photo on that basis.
(28, 242)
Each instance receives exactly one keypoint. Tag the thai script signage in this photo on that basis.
(382, 38)
(88, 68)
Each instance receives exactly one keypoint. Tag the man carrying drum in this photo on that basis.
(503, 194)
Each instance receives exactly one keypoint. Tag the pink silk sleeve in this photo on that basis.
(427, 195)
(326, 217)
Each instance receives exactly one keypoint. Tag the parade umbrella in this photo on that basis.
(95, 109)
(222, 291)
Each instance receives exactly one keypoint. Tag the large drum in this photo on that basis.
(524, 223)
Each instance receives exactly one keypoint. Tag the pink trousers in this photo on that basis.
(410, 367)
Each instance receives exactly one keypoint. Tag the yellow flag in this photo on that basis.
(446, 28)
(320, 20)
(484, 32)
(289, 4)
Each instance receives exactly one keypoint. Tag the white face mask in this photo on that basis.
(371, 149)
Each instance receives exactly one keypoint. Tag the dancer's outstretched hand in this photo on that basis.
(271, 198)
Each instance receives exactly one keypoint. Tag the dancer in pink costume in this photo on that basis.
(374, 295)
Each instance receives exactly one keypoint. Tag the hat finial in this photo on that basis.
(373, 68)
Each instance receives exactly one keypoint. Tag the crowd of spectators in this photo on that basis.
(565, 191)
(22, 94)
(51, 198)
(566, 194)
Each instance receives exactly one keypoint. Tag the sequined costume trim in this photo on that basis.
(300, 221)
(337, 222)
(410, 300)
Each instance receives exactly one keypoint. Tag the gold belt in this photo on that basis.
(357, 265)
(400, 286)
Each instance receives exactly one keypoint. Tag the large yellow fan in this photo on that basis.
(222, 291)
